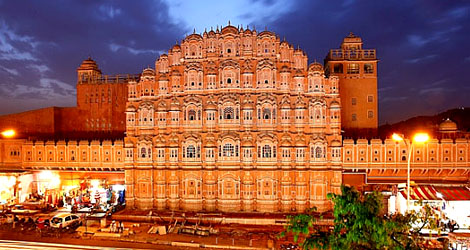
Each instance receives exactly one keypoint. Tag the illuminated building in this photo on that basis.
(232, 120)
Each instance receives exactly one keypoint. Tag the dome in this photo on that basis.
(447, 126)
(194, 36)
(335, 105)
(211, 33)
(176, 47)
(247, 143)
(89, 64)
(299, 73)
(336, 143)
(315, 67)
(148, 72)
(163, 77)
(285, 69)
(229, 29)
(266, 33)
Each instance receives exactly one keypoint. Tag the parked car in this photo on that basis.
(65, 220)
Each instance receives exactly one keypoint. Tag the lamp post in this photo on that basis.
(417, 138)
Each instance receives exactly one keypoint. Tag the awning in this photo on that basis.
(428, 192)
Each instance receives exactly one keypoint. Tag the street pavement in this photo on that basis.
(14, 244)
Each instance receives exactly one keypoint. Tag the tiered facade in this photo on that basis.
(233, 121)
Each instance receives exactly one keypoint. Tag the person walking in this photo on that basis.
(121, 227)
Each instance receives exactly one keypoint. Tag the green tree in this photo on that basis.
(359, 223)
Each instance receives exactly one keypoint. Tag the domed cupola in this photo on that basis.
(148, 72)
(315, 67)
(447, 126)
(88, 71)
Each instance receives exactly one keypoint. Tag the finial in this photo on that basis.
(228, 22)
(265, 28)
(194, 31)
(211, 28)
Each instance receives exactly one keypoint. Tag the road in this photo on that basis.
(13, 244)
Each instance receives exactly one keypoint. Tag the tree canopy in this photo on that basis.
(359, 223)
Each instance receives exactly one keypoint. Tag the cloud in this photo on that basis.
(10, 71)
(432, 90)
(14, 46)
(108, 11)
(418, 43)
(39, 67)
(203, 15)
(420, 59)
(116, 47)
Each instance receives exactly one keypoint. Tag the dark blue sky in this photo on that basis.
(423, 46)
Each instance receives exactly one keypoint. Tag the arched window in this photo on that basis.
(266, 113)
(191, 152)
(228, 150)
(191, 115)
(228, 113)
(143, 153)
(229, 80)
(318, 152)
(266, 151)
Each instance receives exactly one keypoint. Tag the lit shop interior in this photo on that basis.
(62, 189)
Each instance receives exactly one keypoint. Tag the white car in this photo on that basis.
(65, 220)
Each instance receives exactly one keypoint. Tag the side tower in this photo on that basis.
(357, 71)
(101, 101)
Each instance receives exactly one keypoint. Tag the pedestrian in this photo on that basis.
(113, 226)
(121, 227)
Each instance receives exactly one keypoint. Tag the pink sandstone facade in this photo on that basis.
(235, 120)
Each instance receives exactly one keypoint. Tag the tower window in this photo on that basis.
(370, 114)
(368, 68)
(353, 68)
(370, 98)
(353, 101)
(354, 117)
(338, 68)
(229, 80)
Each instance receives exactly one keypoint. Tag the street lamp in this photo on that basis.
(8, 133)
(417, 138)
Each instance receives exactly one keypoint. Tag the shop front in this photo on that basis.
(451, 202)
(8, 188)
(74, 189)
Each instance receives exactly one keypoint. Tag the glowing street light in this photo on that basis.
(421, 137)
(417, 138)
(8, 133)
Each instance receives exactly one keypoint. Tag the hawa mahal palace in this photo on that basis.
(230, 120)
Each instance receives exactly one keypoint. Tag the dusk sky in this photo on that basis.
(423, 46)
